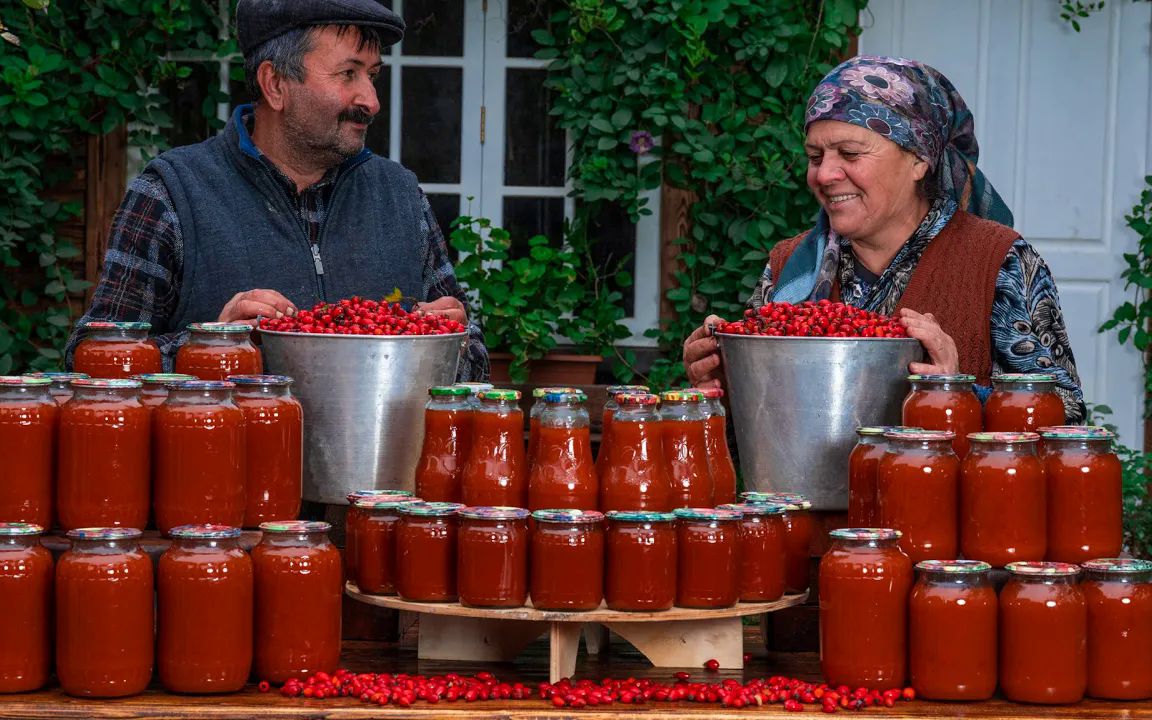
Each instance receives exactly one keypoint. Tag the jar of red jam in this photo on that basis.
(201, 455)
(496, 474)
(952, 631)
(474, 389)
(534, 413)
(274, 440)
(1118, 595)
(492, 558)
(216, 350)
(798, 529)
(709, 567)
(356, 518)
(25, 609)
(28, 426)
(104, 461)
(607, 417)
(298, 598)
(447, 443)
(204, 605)
(426, 549)
(865, 579)
(944, 402)
(716, 439)
(563, 473)
(61, 388)
(683, 425)
(1003, 499)
(117, 350)
(1085, 500)
(640, 567)
(375, 539)
(154, 386)
(635, 477)
(566, 559)
(105, 627)
(916, 493)
(761, 551)
(1043, 634)
(1023, 403)
(863, 464)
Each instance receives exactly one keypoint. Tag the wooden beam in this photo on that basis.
(104, 189)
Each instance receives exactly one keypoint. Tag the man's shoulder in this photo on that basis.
(199, 155)
(387, 170)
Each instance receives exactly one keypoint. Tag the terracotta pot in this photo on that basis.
(552, 369)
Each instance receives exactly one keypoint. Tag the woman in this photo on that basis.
(910, 227)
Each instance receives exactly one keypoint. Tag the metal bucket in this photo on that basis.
(797, 401)
(363, 399)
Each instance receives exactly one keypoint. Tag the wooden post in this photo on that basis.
(104, 189)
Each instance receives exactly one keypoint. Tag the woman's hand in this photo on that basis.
(702, 356)
(940, 346)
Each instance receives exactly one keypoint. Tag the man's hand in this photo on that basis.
(702, 356)
(245, 307)
(940, 346)
(448, 306)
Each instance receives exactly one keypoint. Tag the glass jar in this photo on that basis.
(492, 563)
(566, 559)
(682, 424)
(709, 564)
(274, 445)
(863, 463)
(916, 493)
(201, 456)
(635, 477)
(375, 538)
(215, 350)
(1023, 403)
(496, 474)
(761, 551)
(798, 529)
(104, 614)
(944, 402)
(474, 389)
(865, 579)
(61, 388)
(25, 609)
(607, 417)
(204, 601)
(28, 427)
(1003, 499)
(716, 439)
(426, 549)
(1043, 634)
(640, 567)
(952, 631)
(154, 386)
(356, 518)
(1118, 595)
(104, 461)
(298, 591)
(117, 350)
(447, 442)
(534, 417)
(1085, 499)
(563, 473)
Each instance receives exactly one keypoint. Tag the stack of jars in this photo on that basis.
(111, 451)
(214, 351)
(206, 618)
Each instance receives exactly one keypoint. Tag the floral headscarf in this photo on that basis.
(917, 108)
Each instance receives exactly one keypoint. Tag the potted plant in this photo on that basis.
(525, 304)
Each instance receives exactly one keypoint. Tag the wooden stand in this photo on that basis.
(679, 637)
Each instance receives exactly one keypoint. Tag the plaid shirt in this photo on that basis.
(144, 264)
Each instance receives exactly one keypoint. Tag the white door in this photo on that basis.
(1062, 120)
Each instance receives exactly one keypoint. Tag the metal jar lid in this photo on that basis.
(953, 567)
(107, 383)
(754, 508)
(355, 494)
(24, 381)
(221, 328)
(295, 527)
(163, 378)
(1008, 438)
(261, 380)
(639, 516)
(792, 501)
(637, 399)
(431, 509)
(1076, 432)
(449, 391)
(866, 534)
(706, 514)
(384, 502)
(501, 394)
(493, 512)
(105, 325)
(942, 378)
(104, 533)
(20, 529)
(207, 531)
(1043, 569)
(570, 516)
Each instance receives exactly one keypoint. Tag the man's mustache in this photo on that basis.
(356, 115)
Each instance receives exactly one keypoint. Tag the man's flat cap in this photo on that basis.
(258, 21)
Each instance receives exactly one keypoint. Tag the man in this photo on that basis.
(286, 207)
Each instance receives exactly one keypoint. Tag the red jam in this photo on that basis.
(28, 418)
(154, 390)
(563, 473)
(25, 609)
(1003, 505)
(1118, 595)
(1023, 403)
(566, 559)
(1085, 500)
(634, 472)
(709, 570)
(61, 388)
(492, 564)
(719, 456)
(863, 465)
(216, 350)
(762, 554)
(426, 548)
(447, 442)
(798, 529)
(497, 473)
(607, 419)
(357, 517)
(375, 539)
(916, 492)
(274, 441)
(116, 350)
(683, 424)
(944, 402)
(640, 574)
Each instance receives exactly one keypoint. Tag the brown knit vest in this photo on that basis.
(955, 280)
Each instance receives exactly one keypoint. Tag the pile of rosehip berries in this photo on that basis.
(357, 316)
(822, 318)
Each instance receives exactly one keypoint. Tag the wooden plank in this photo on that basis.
(471, 639)
(563, 644)
(675, 222)
(104, 189)
(689, 643)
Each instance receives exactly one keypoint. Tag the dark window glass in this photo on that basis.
(237, 90)
(534, 146)
(524, 16)
(526, 217)
(430, 125)
(612, 235)
(446, 208)
(435, 27)
(191, 102)
(378, 131)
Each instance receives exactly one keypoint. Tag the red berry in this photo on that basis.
(712, 665)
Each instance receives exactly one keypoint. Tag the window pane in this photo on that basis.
(188, 99)
(526, 217)
(378, 131)
(446, 208)
(435, 27)
(430, 126)
(534, 146)
(237, 90)
(613, 236)
(524, 16)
